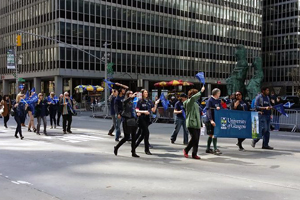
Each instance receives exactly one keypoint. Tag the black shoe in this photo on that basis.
(172, 141)
(34, 130)
(135, 155)
(217, 152)
(65, 132)
(38, 133)
(45, 133)
(110, 134)
(117, 140)
(253, 143)
(58, 125)
(16, 136)
(69, 131)
(268, 147)
(115, 151)
(150, 146)
(5, 126)
(22, 138)
(148, 153)
(209, 151)
(241, 148)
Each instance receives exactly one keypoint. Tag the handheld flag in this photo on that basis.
(135, 100)
(50, 100)
(55, 99)
(280, 109)
(21, 87)
(27, 95)
(33, 90)
(23, 101)
(109, 83)
(288, 105)
(164, 101)
(200, 77)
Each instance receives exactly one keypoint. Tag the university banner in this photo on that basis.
(236, 124)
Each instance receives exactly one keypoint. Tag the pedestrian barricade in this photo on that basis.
(281, 121)
(165, 115)
(99, 110)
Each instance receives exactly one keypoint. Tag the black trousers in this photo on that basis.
(67, 119)
(52, 116)
(6, 118)
(19, 121)
(58, 117)
(128, 130)
(194, 141)
(144, 122)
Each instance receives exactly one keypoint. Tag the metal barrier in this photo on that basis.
(167, 115)
(99, 110)
(282, 121)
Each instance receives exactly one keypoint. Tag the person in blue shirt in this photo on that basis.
(112, 98)
(180, 120)
(239, 104)
(214, 103)
(263, 106)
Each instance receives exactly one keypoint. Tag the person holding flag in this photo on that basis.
(20, 106)
(180, 120)
(263, 106)
(53, 107)
(193, 121)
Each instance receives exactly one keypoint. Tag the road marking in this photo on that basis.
(77, 138)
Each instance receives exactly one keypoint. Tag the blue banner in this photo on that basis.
(236, 124)
(164, 102)
(288, 105)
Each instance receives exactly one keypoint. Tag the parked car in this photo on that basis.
(292, 99)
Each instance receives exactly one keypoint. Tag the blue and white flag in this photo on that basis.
(33, 90)
(200, 77)
(27, 95)
(280, 109)
(33, 99)
(21, 87)
(24, 101)
(55, 99)
(135, 100)
(288, 105)
(109, 83)
(164, 101)
(50, 100)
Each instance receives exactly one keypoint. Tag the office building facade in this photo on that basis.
(281, 54)
(150, 40)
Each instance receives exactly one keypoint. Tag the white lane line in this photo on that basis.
(15, 182)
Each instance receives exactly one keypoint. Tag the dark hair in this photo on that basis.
(238, 92)
(4, 97)
(192, 92)
(142, 91)
(264, 88)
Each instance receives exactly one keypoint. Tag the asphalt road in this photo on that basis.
(82, 166)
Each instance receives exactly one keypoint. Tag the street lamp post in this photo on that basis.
(105, 71)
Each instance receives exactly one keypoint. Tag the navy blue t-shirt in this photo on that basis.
(144, 105)
(112, 106)
(211, 105)
(263, 101)
(179, 107)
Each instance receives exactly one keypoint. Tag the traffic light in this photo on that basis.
(19, 40)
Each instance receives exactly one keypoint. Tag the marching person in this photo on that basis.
(263, 106)
(214, 103)
(112, 98)
(67, 112)
(180, 120)
(59, 110)
(239, 104)
(144, 108)
(6, 103)
(53, 107)
(30, 111)
(118, 110)
(19, 108)
(41, 112)
(193, 121)
(129, 123)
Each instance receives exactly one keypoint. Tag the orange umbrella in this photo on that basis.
(174, 83)
(186, 83)
(161, 84)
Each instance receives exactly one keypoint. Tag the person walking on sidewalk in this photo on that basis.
(129, 123)
(53, 107)
(41, 113)
(112, 98)
(6, 103)
(19, 108)
(263, 106)
(193, 121)
(214, 103)
(239, 104)
(30, 111)
(67, 112)
(180, 120)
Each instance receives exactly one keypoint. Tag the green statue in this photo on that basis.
(253, 88)
(236, 82)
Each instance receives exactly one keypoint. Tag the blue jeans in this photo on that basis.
(118, 127)
(264, 129)
(178, 123)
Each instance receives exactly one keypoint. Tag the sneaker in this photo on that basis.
(185, 153)
(217, 152)
(209, 151)
(196, 157)
(268, 147)
(135, 155)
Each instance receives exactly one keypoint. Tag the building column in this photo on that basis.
(58, 81)
(293, 90)
(208, 89)
(71, 86)
(146, 85)
(5, 85)
(37, 84)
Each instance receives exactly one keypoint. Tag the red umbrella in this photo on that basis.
(174, 83)
(161, 84)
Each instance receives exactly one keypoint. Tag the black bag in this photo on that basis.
(12, 112)
(131, 122)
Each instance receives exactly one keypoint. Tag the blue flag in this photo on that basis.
(33, 99)
(27, 95)
(109, 83)
(135, 100)
(200, 77)
(55, 99)
(33, 90)
(24, 101)
(280, 109)
(21, 87)
(164, 101)
(288, 105)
